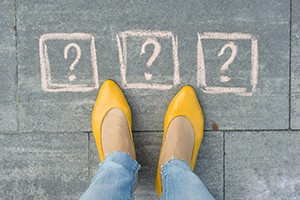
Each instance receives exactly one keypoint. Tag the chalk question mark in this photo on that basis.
(156, 51)
(225, 66)
(72, 66)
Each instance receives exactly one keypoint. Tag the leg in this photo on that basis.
(183, 132)
(179, 182)
(111, 124)
(115, 178)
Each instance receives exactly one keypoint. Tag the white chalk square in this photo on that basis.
(47, 82)
(152, 36)
(201, 72)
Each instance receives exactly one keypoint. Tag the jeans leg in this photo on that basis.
(179, 182)
(115, 179)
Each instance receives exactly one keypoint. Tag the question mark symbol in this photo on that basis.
(156, 51)
(225, 66)
(72, 66)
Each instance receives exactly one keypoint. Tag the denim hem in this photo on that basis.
(117, 166)
(123, 159)
(164, 173)
(175, 161)
(165, 190)
(131, 165)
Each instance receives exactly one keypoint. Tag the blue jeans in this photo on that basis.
(117, 176)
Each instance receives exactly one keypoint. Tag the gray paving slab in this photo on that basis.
(295, 68)
(43, 166)
(262, 27)
(209, 166)
(262, 165)
(8, 110)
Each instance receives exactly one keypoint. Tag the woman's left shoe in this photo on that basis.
(183, 131)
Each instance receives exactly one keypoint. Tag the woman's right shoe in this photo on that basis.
(112, 103)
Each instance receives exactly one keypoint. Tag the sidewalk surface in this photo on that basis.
(241, 57)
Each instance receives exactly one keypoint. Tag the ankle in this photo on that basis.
(116, 133)
(179, 141)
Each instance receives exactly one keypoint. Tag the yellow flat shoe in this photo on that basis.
(110, 96)
(185, 103)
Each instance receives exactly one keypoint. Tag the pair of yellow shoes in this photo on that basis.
(185, 103)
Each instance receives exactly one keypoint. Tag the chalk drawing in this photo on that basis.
(72, 66)
(201, 76)
(150, 37)
(156, 51)
(47, 85)
(225, 66)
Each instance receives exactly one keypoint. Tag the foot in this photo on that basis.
(115, 133)
(179, 141)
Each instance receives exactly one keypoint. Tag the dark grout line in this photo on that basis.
(45, 132)
(17, 64)
(89, 157)
(290, 67)
(208, 130)
(153, 131)
(224, 153)
(294, 130)
(227, 130)
(252, 130)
